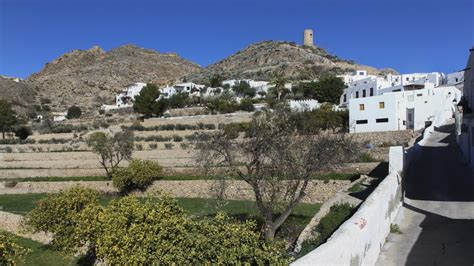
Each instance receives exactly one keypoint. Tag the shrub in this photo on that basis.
(8, 149)
(177, 138)
(10, 252)
(169, 146)
(23, 132)
(73, 112)
(139, 147)
(247, 105)
(139, 175)
(158, 231)
(366, 158)
(10, 183)
(153, 146)
(58, 213)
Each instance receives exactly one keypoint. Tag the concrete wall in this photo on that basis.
(358, 240)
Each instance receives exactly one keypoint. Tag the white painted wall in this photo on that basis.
(358, 240)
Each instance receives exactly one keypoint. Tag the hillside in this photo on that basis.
(21, 94)
(90, 77)
(264, 60)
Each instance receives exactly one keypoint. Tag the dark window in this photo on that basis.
(345, 98)
(404, 122)
(363, 93)
(362, 122)
(357, 94)
(381, 120)
(419, 94)
(408, 78)
(456, 79)
(371, 91)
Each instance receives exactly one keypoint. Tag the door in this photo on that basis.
(410, 118)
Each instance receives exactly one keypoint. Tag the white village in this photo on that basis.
(341, 164)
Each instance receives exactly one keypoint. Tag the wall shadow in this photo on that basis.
(442, 241)
(439, 173)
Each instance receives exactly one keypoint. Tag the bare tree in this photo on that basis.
(112, 149)
(275, 160)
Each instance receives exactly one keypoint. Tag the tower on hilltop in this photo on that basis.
(308, 38)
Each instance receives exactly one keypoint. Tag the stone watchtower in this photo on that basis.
(308, 38)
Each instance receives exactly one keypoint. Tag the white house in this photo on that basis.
(465, 116)
(399, 110)
(361, 85)
(127, 96)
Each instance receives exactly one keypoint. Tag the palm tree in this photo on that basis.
(279, 81)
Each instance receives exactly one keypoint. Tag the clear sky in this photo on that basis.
(407, 35)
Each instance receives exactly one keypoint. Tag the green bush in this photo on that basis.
(177, 138)
(139, 175)
(246, 104)
(366, 158)
(10, 252)
(73, 112)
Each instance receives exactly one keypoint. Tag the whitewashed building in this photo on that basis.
(399, 110)
(127, 96)
(361, 85)
(465, 116)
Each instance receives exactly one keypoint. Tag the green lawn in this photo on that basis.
(41, 254)
(241, 209)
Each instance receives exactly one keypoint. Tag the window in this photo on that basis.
(408, 79)
(345, 98)
(404, 122)
(381, 105)
(419, 94)
(371, 91)
(362, 121)
(457, 79)
(357, 94)
(381, 120)
(361, 107)
(363, 93)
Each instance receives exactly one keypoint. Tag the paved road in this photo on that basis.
(437, 219)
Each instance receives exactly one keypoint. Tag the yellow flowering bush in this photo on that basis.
(10, 252)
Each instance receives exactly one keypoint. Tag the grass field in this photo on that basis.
(42, 255)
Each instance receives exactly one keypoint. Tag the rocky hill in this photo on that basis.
(22, 95)
(264, 60)
(89, 77)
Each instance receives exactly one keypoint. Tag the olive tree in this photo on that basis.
(112, 149)
(275, 160)
(10, 252)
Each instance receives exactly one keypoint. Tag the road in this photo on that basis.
(437, 217)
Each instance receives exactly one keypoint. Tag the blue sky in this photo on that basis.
(407, 35)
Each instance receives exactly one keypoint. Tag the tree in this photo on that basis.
(215, 81)
(275, 161)
(329, 89)
(246, 104)
(23, 132)
(279, 81)
(145, 103)
(243, 89)
(73, 112)
(10, 252)
(58, 213)
(7, 117)
(112, 149)
(154, 230)
(138, 175)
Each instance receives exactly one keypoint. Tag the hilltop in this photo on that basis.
(264, 60)
(88, 77)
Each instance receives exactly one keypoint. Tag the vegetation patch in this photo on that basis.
(337, 215)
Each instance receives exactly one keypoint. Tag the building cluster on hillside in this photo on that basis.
(127, 96)
(397, 102)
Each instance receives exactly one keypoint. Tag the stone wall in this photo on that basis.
(394, 138)
(12, 223)
(317, 191)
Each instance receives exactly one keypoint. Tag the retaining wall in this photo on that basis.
(358, 240)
